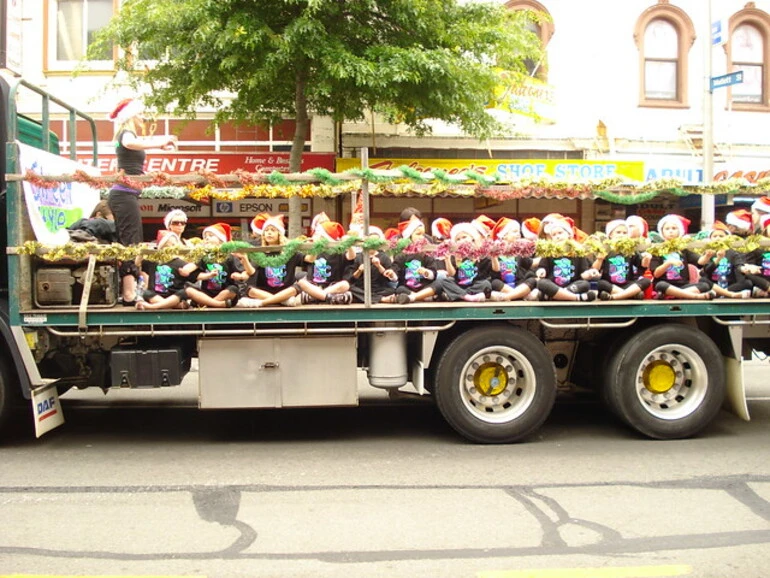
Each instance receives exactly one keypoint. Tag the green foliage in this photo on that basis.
(261, 60)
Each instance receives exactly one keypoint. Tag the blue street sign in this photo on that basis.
(718, 32)
(726, 79)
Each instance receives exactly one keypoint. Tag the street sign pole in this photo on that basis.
(707, 200)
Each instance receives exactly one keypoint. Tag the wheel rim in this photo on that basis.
(497, 384)
(671, 382)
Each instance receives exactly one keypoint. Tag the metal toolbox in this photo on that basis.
(146, 368)
(53, 286)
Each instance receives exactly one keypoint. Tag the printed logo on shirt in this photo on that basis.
(675, 273)
(164, 279)
(218, 280)
(411, 277)
(723, 269)
(766, 264)
(467, 271)
(563, 271)
(618, 270)
(321, 271)
(508, 267)
(275, 276)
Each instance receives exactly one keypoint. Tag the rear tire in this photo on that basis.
(495, 385)
(666, 382)
(11, 399)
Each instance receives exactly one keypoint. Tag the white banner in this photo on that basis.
(52, 210)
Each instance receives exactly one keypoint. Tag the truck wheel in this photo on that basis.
(495, 385)
(10, 395)
(667, 381)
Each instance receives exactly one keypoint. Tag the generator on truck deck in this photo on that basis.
(493, 369)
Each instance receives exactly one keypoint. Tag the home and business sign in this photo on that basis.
(182, 163)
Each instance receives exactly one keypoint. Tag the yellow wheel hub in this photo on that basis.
(659, 377)
(490, 379)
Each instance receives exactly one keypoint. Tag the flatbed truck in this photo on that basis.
(493, 369)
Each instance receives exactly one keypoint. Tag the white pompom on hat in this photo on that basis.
(552, 223)
(681, 222)
(376, 231)
(127, 109)
(614, 224)
(764, 221)
(174, 215)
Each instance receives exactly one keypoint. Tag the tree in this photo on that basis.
(261, 60)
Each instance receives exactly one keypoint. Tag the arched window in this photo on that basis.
(544, 30)
(749, 51)
(664, 35)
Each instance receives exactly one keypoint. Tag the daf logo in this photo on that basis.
(223, 207)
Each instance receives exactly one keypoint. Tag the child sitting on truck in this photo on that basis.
(622, 275)
(166, 282)
(563, 278)
(417, 272)
(672, 270)
(324, 281)
(274, 284)
(221, 289)
(512, 276)
(722, 268)
(757, 263)
(381, 273)
(468, 272)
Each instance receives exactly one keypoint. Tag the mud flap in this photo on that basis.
(46, 409)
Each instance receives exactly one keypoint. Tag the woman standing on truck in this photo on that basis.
(124, 200)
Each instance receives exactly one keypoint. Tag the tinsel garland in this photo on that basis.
(206, 185)
(273, 257)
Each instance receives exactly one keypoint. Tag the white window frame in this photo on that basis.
(53, 64)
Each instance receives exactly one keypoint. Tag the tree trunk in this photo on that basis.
(297, 147)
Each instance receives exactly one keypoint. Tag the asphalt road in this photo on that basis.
(133, 486)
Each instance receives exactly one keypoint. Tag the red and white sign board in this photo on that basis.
(181, 163)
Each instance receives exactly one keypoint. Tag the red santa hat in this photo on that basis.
(407, 228)
(504, 227)
(762, 205)
(639, 223)
(392, 233)
(441, 228)
(740, 219)
(320, 218)
(330, 230)
(469, 228)
(485, 225)
(221, 231)
(530, 228)
(614, 224)
(275, 221)
(681, 223)
(127, 109)
(174, 215)
(764, 221)
(258, 223)
(719, 226)
(165, 237)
